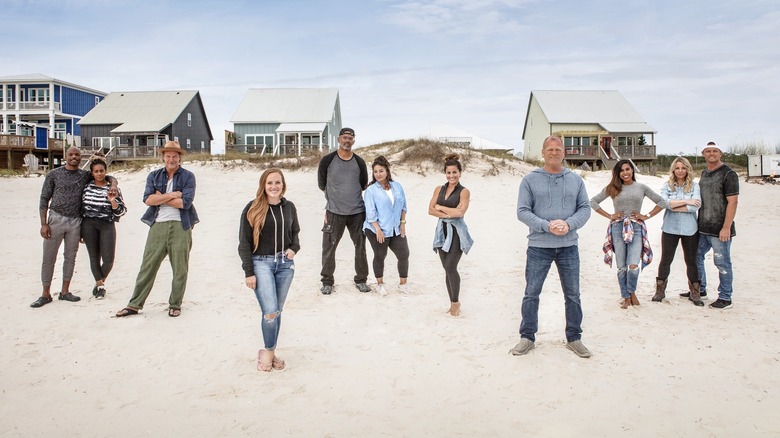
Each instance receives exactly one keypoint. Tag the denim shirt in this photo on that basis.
(679, 222)
(379, 208)
(452, 224)
(184, 182)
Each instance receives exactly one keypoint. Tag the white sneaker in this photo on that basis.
(381, 289)
(403, 288)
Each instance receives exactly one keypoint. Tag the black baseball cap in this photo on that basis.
(349, 131)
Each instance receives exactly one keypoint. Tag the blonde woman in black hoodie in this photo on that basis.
(267, 244)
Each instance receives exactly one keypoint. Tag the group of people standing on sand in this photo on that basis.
(698, 215)
(552, 202)
(79, 205)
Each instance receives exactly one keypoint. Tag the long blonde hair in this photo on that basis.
(259, 208)
(688, 186)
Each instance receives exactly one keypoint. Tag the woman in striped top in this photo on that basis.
(100, 209)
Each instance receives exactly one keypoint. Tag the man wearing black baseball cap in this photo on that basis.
(343, 176)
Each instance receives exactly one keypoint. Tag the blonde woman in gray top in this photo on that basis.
(627, 233)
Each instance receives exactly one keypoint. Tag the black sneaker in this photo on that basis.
(326, 289)
(94, 291)
(69, 297)
(721, 304)
(100, 293)
(688, 294)
(362, 287)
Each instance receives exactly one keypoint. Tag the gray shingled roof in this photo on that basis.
(292, 105)
(607, 108)
(139, 111)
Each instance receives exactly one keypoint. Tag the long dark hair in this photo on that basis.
(381, 161)
(616, 185)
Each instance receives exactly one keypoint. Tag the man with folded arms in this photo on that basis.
(169, 194)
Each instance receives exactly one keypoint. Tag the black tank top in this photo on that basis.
(454, 198)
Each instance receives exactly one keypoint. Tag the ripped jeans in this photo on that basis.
(627, 254)
(274, 276)
(721, 255)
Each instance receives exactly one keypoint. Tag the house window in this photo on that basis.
(38, 95)
(102, 142)
(150, 141)
(576, 141)
(266, 140)
(176, 139)
(625, 141)
(189, 119)
(188, 143)
(310, 139)
(97, 100)
(202, 145)
(59, 130)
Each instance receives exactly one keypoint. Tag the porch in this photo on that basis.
(13, 148)
(285, 149)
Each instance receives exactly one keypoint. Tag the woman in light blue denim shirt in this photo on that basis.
(683, 200)
(385, 224)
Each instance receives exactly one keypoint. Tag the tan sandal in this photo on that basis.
(263, 366)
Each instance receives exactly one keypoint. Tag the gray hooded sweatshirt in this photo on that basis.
(544, 197)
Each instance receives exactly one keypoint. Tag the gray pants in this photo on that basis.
(62, 228)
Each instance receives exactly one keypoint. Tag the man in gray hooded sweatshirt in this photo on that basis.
(554, 204)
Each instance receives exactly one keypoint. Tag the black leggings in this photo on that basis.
(100, 238)
(397, 245)
(690, 246)
(450, 260)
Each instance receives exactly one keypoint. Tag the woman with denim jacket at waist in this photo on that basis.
(267, 244)
(451, 239)
(627, 233)
(385, 224)
(683, 200)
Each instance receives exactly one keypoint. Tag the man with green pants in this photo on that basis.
(169, 194)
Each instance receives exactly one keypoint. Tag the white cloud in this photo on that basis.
(477, 17)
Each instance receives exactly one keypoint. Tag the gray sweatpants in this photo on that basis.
(62, 228)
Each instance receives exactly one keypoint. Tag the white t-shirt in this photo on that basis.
(168, 213)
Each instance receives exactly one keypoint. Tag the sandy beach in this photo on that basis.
(365, 365)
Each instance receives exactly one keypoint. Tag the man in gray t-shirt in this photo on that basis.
(343, 176)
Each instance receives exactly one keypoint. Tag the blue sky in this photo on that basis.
(695, 70)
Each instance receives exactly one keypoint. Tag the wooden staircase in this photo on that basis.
(87, 156)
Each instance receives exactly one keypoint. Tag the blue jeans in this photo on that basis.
(721, 252)
(537, 265)
(274, 275)
(627, 254)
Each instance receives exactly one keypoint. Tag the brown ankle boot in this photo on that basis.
(660, 290)
(695, 293)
